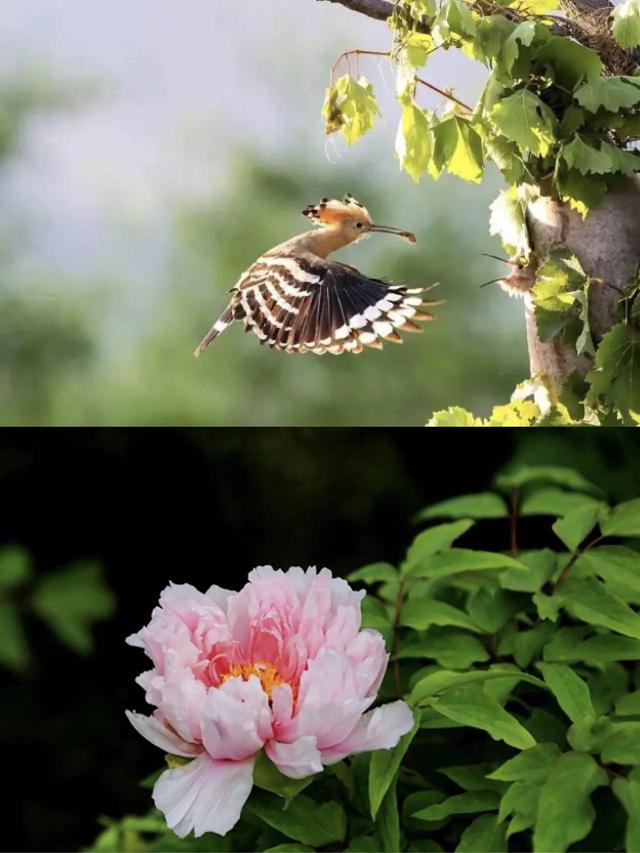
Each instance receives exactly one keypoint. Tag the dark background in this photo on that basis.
(205, 506)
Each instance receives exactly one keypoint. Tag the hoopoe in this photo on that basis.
(295, 299)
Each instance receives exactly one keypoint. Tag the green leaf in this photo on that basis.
(440, 682)
(479, 505)
(509, 222)
(623, 745)
(524, 119)
(452, 650)
(305, 820)
(599, 158)
(533, 763)
(484, 835)
(614, 563)
(623, 520)
(468, 803)
(626, 23)
(388, 821)
(15, 566)
(375, 573)
(364, 844)
(558, 281)
(571, 63)
(421, 613)
(628, 792)
(523, 475)
(267, 776)
(586, 159)
(615, 379)
(569, 689)
(433, 540)
(350, 106)
(290, 848)
(14, 649)
(70, 600)
(384, 766)
(551, 501)
(589, 601)
(568, 646)
(490, 609)
(582, 193)
(575, 526)
(612, 93)
(471, 707)
(540, 567)
(454, 416)
(456, 560)
(414, 141)
(458, 149)
(374, 614)
(565, 813)
(628, 705)
(523, 34)
(527, 645)
(472, 777)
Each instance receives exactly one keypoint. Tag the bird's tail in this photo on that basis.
(218, 327)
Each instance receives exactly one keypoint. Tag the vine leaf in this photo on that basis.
(524, 119)
(612, 93)
(626, 23)
(615, 379)
(350, 106)
(414, 141)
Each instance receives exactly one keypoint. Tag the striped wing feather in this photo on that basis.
(304, 304)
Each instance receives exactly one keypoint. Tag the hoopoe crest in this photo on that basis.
(295, 299)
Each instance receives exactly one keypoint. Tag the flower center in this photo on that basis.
(266, 672)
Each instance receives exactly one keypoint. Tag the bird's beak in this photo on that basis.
(387, 229)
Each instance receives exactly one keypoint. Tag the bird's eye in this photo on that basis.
(358, 224)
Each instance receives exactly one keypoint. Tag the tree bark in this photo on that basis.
(607, 244)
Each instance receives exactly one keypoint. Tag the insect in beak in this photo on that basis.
(387, 229)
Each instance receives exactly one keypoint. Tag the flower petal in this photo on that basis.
(238, 719)
(296, 760)
(204, 795)
(381, 728)
(155, 731)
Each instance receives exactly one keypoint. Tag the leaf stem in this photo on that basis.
(578, 553)
(444, 94)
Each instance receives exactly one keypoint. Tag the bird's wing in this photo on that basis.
(305, 303)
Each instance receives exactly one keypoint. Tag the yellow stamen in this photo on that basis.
(266, 672)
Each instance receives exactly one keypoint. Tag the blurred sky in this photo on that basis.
(198, 77)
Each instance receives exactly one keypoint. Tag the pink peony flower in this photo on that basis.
(281, 665)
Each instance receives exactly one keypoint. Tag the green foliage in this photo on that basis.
(350, 106)
(70, 600)
(626, 23)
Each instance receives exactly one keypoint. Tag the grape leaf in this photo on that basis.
(626, 23)
(523, 118)
(615, 378)
(414, 141)
(350, 106)
(612, 93)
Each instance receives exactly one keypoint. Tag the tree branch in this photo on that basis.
(378, 9)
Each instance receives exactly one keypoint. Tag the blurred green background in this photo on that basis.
(149, 154)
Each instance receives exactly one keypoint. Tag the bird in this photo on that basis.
(296, 299)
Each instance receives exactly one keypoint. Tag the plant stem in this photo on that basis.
(444, 94)
(563, 574)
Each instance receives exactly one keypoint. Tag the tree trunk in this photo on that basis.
(607, 244)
